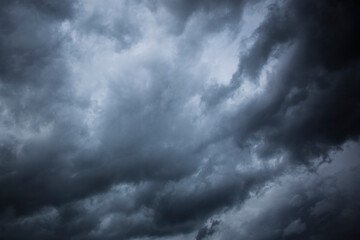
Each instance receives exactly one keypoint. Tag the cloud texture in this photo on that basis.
(179, 119)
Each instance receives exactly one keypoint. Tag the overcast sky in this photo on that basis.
(179, 119)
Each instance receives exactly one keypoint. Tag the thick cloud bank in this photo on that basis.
(202, 119)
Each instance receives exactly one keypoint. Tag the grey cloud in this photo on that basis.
(220, 14)
(207, 230)
(99, 143)
(283, 217)
(295, 227)
(118, 23)
(310, 105)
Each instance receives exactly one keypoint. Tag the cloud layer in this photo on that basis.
(179, 119)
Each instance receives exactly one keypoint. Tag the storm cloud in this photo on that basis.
(179, 119)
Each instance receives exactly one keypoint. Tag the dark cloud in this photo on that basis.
(310, 105)
(207, 230)
(99, 143)
(308, 206)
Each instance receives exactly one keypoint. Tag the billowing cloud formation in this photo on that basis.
(176, 119)
(301, 205)
(311, 103)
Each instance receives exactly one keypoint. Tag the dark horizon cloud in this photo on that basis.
(179, 119)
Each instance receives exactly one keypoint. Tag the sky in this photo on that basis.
(179, 119)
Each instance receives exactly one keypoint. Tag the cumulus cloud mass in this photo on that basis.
(179, 119)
